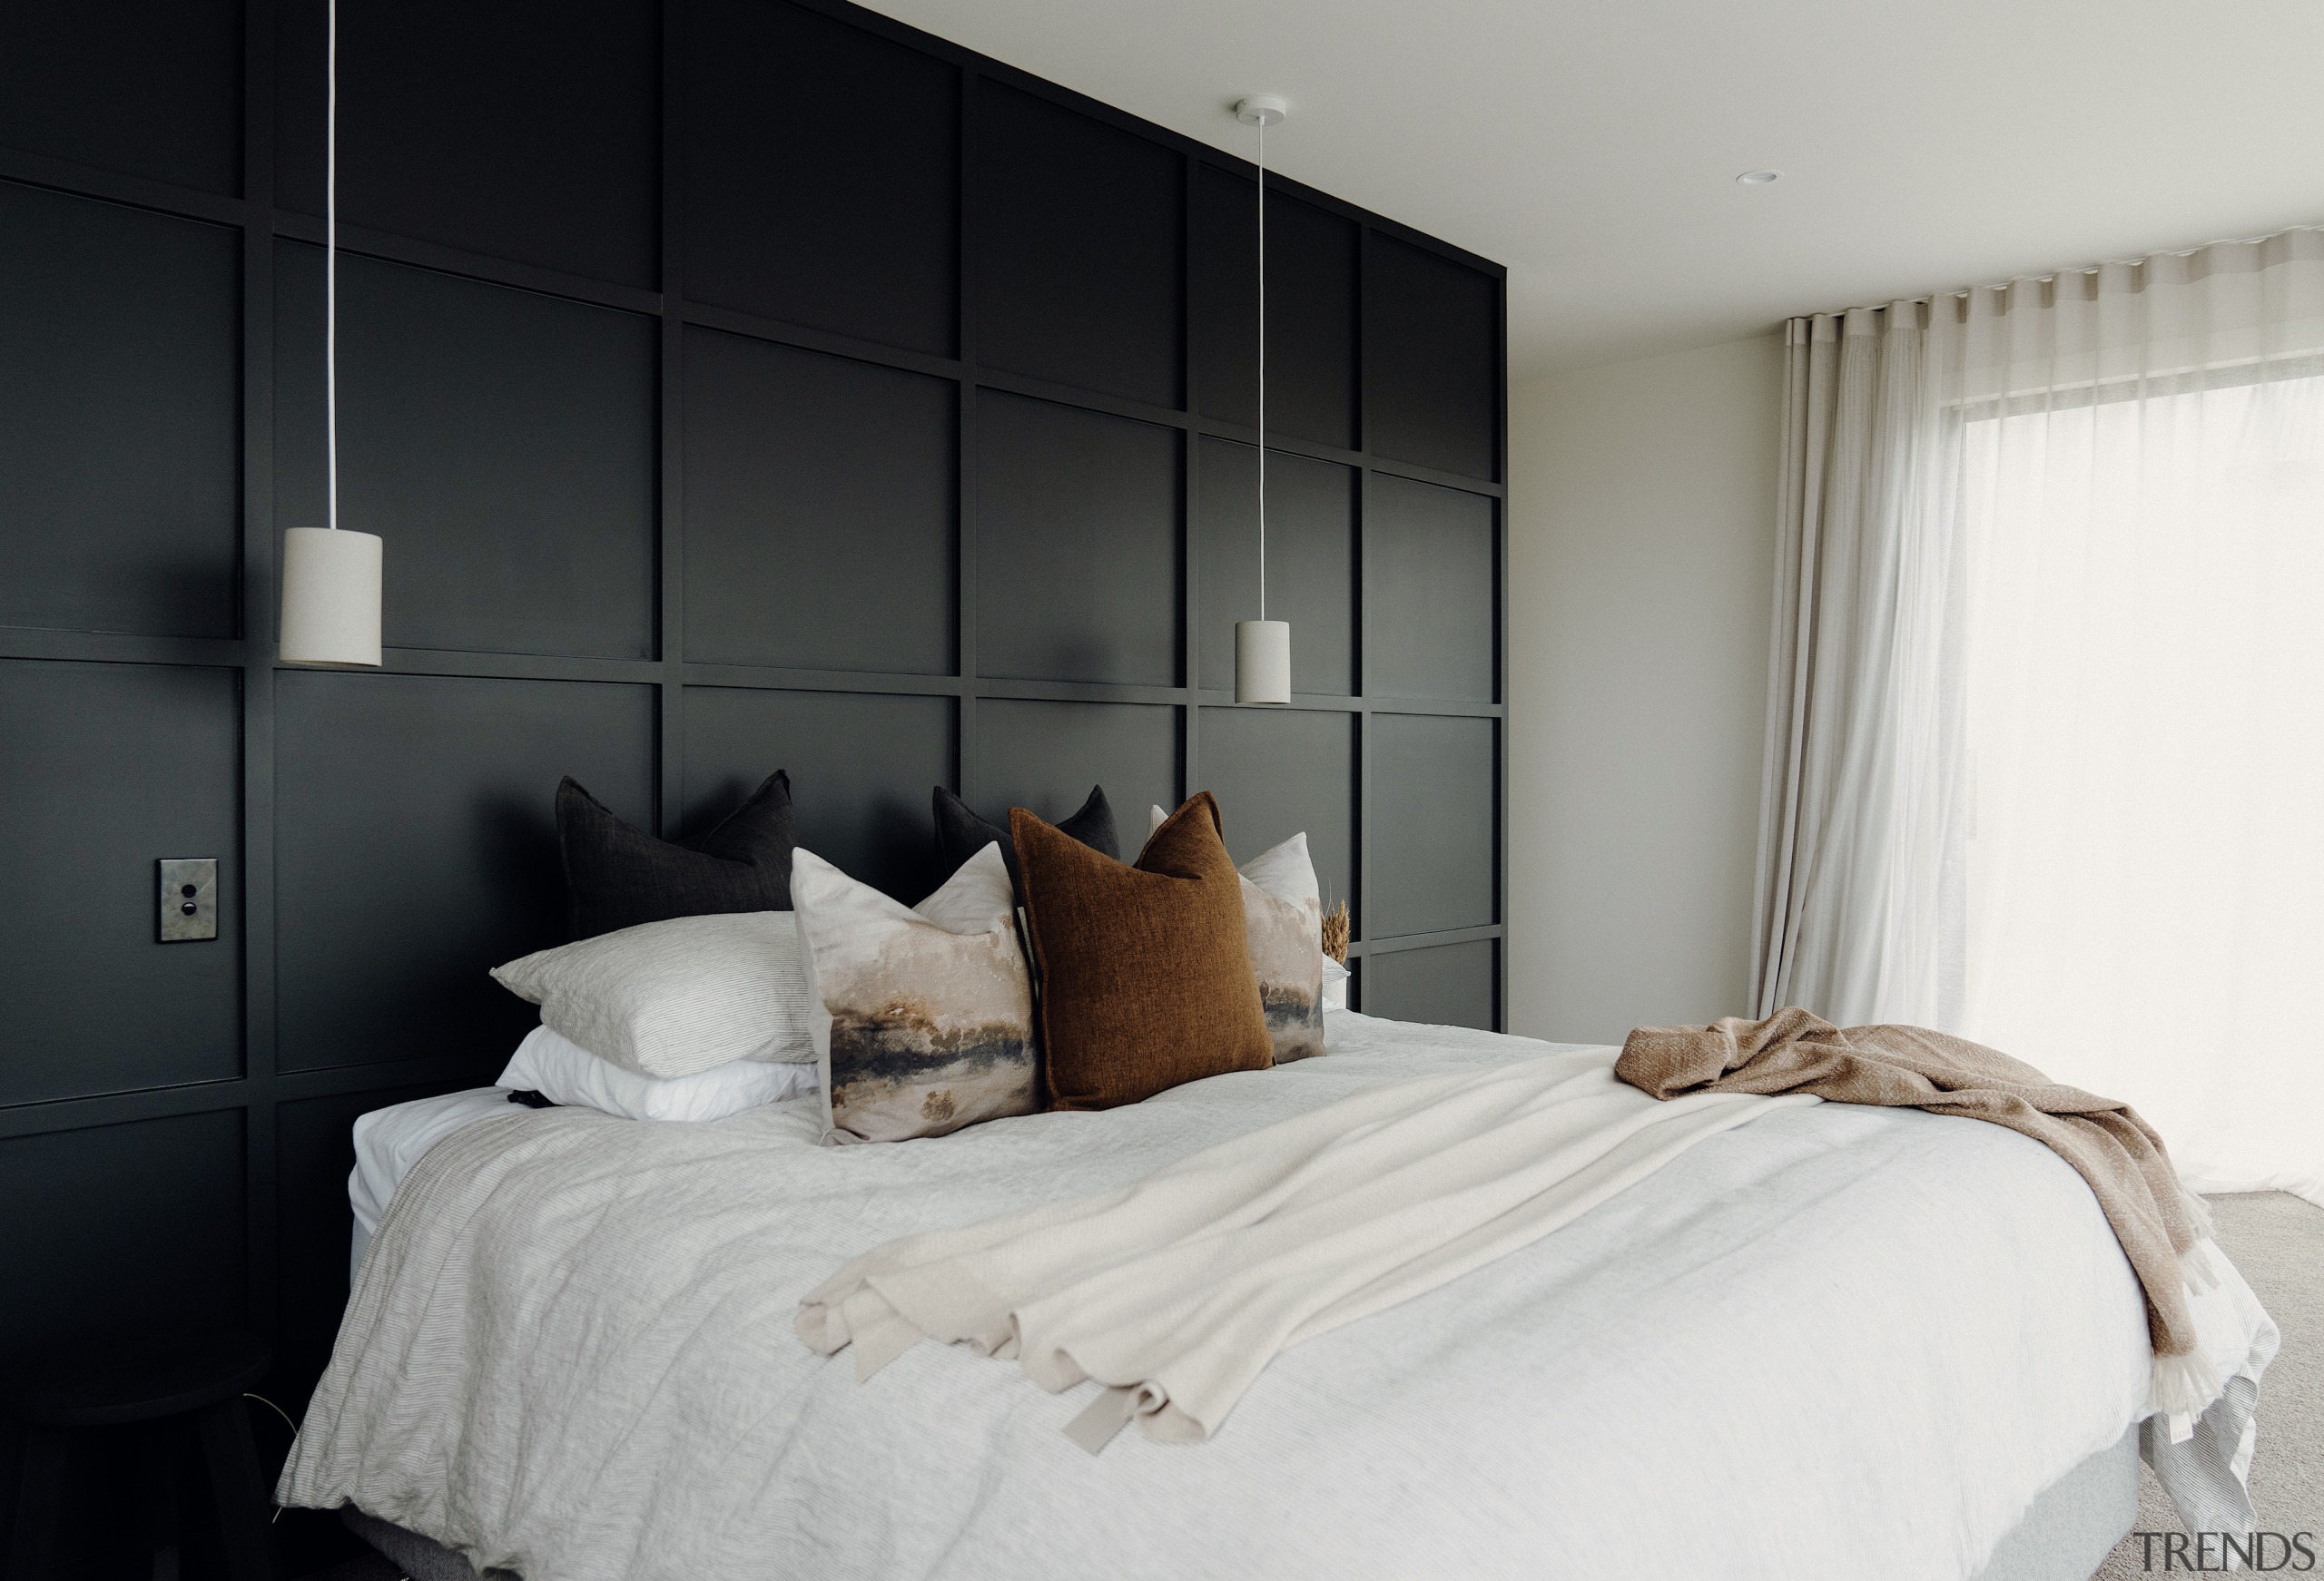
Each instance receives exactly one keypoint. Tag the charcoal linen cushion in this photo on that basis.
(620, 877)
(960, 833)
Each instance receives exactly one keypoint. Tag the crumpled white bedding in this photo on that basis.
(1838, 1343)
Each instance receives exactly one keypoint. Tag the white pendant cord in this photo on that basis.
(1263, 368)
(331, 270)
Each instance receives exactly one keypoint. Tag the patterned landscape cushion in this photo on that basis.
(668, 999)
(960, 833)
(619, 877)
(923, 1015)
(1146, 980)
(1283, 922)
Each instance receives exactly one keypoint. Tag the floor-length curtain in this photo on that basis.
(1859, 880)
(2046, 756)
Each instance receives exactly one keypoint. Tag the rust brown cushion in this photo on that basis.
(1145, 980)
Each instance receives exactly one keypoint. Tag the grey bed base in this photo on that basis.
(2072, 1527)
(2074, 1523)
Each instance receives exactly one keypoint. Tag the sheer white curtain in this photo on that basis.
(1859, 887)
(2052, 772)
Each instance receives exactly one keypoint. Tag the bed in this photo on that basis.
(1835, 1342)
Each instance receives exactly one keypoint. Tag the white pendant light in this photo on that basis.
(1262, 646)
(330, 577)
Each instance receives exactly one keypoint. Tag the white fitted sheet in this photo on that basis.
(389, 1141)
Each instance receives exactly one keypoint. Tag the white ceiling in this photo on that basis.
(1593, 147)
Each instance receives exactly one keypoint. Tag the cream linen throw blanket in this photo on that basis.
(1176, 1292)
(2164, 1228)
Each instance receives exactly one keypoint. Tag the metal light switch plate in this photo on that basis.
(188, 897)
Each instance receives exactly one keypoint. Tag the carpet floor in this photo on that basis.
(2277, 1241)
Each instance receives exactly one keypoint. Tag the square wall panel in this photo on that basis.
(104, 769)
(1080, 248)
(862, 767)
(1432, 359)
(1045, 756)
(1445, 984)
(500, 441)
(1434, 795)
(148, 88)
(141, 1224)
(821, 510)
(522, 132)
(1078, 556)
(1311, 310)
(1431, 576)
(1281, 771)
(417, 819)
(314, 1153)
(1310, 561)
(799, 205)
(121, 418)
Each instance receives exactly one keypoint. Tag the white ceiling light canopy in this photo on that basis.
(1262, 646)
(1262, 109)
(1758, 178)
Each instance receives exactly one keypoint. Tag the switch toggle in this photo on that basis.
(188, 897)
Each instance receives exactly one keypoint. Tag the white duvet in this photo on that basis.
(1838, 1343)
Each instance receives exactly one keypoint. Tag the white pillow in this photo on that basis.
(924, 1017)
(1283, 924)
(675, 998)
(976, 898)
(563, 1071)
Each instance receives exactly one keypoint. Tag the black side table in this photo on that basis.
(165, 1389)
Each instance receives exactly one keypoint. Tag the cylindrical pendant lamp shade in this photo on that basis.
(331, 597)
(1262, 661)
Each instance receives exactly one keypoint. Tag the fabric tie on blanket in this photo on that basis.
(1176, 1292)
(2164, 1228)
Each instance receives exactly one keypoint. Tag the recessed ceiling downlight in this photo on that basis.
(1757, 178)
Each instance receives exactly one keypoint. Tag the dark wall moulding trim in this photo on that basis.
(123, 1108)
(1436, 706)
(118, 647)
(88, 182)
(229, 653)
(1420, 474)
(1394, 943)
(354, 238)
(513, 666)
(824, 340)
(765, 678)
(1458, 707)
(251, 1091)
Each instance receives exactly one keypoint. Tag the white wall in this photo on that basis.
(1640, 564)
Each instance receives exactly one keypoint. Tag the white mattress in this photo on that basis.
(1836, 1343)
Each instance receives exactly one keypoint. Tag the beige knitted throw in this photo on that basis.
(2164, 1228)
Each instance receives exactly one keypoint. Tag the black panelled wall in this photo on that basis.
(737, 384)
